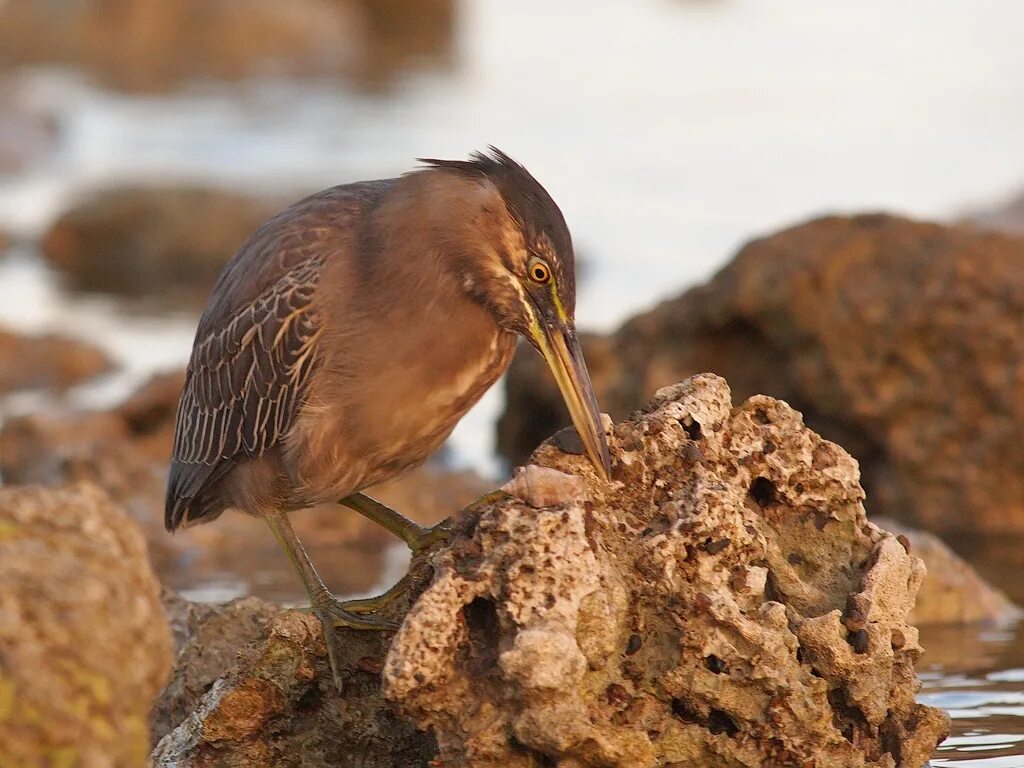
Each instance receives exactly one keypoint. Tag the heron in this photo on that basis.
(351, 332)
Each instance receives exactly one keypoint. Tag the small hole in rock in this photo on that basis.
(715, 664)
(720, 722)
(762, 490)
(691, 427)
(484, 629)
(633, 644)
(683, 712)
(858, 641)
(761, 416)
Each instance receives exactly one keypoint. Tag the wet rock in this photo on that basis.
(162, 44)
(900, 340)
(953, 593)
(126, 451)
(168, 243)
(47, 362)
(584, 624)
(84, 645)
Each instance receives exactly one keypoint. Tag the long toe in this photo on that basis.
(441, 532)
(339, 615)
(365, 605)
(334, 616)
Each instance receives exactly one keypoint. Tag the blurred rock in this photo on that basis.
(84, 645)
(155, 45)
(126, 451)
(168, 243)
(1008, 217)
(952, 593)
(47, 362)
(724, 602)
(900, 340)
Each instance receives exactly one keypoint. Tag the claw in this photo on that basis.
(355, 614)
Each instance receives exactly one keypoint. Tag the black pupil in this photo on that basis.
(539, 272)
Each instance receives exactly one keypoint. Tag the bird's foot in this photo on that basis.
(442, 532)
(428, 537)
(337, 614)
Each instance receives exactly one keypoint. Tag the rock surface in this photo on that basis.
(84, 644)
(166, 242)
(47, 362)
(902, 341)
(253, 689)
(724, 602)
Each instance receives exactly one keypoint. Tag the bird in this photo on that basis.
(350, 333)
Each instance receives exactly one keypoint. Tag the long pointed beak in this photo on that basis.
(561, 350)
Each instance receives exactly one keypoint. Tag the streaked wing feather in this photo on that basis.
(240, 392)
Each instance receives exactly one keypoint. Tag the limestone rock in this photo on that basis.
(84, 644)
(723, 602)
(901, 341)
(47, 362)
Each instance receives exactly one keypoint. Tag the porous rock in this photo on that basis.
(902, 341)
(723, 602)
(84, 644)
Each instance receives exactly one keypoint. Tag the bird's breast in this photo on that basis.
(398, 406)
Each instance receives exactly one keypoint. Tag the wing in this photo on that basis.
(255, 349)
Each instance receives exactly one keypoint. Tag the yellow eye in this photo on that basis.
(539, 272)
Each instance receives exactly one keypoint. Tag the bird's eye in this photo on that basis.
(539, 272)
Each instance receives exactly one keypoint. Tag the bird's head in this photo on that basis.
(516, 259)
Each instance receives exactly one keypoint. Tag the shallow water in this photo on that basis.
(670, 133)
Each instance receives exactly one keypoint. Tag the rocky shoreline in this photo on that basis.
(724, 601)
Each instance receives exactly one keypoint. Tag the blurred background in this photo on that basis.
(142, 140)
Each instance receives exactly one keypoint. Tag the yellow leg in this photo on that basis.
(333, 613)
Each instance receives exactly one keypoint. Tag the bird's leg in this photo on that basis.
(333, 613)
(416, 536)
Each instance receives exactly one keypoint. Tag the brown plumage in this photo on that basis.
(348, 336)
